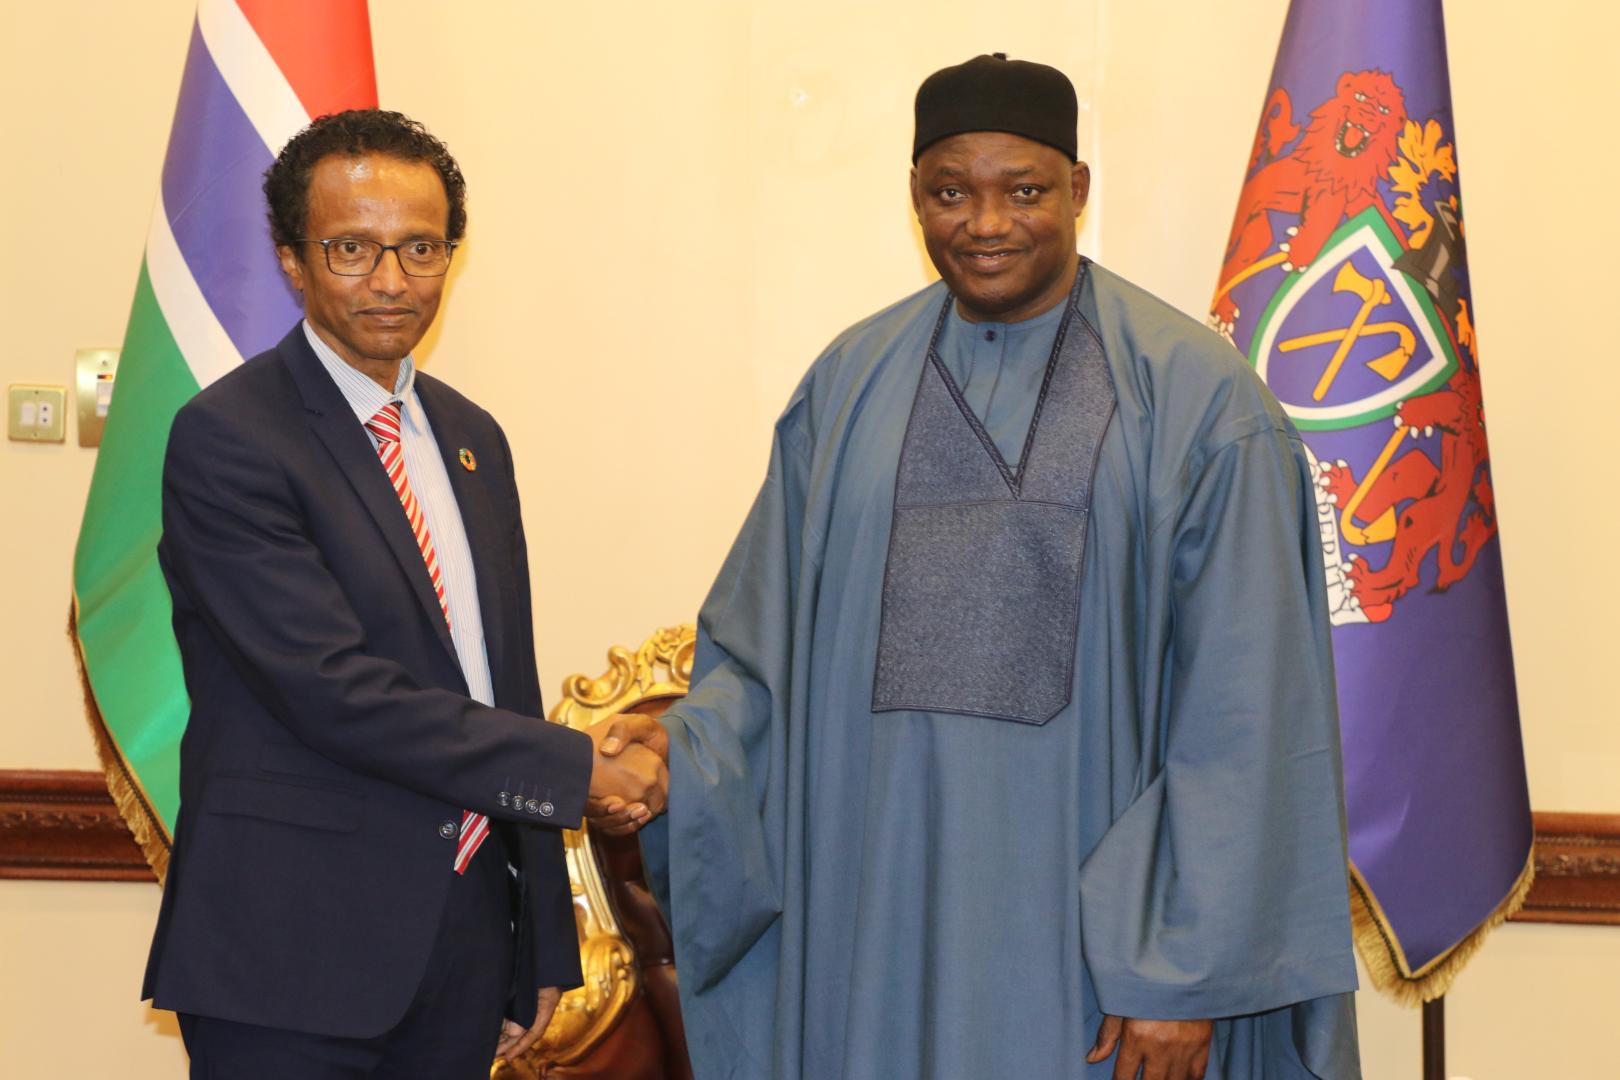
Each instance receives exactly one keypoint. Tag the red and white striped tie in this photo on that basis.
(385, 427)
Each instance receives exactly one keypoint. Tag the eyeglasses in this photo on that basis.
(349, 256)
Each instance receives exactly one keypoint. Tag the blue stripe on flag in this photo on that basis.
(211, 190)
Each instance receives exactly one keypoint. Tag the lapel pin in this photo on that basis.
(468, 462)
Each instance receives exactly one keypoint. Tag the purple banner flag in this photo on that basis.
(1345, 283)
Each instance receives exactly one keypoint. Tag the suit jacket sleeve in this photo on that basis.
(237, 542)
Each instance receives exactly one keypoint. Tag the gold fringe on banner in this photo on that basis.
(1385, 959)
(126, 791)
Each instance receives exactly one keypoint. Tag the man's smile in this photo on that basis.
(388, 316)
(989, 260)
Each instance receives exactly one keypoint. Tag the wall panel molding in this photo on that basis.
(62, 825)
(1577, 870)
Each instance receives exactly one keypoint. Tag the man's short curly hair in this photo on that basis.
(352, 133)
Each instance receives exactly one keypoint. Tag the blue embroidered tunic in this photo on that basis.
(903, 894)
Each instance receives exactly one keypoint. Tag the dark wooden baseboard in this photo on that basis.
(60, 825)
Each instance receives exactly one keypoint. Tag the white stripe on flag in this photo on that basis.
(208, 350)
(251, 72)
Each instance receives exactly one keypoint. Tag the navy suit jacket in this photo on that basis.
(331, 740)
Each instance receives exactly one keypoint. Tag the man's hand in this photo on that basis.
(633, 734)
(1159, 1049)
(625, 728)
(515, 1041)
(636, 775)
(629, 782)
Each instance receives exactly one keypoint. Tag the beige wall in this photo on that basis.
(673, 208)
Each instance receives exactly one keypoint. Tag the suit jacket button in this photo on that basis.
(505, 798)
(546, 809)
(448, 830)
(532, 806)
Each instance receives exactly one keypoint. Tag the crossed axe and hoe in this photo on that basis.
(1374, 294)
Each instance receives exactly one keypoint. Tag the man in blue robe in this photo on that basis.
(1011, 748)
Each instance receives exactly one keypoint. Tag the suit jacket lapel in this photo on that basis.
(334, 423)
(489, 544)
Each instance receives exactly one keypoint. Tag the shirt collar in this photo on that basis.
(1045, 322)
(365, 397)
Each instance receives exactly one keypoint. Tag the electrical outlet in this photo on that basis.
(36, 413)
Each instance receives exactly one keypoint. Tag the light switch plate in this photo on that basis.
(36, 413)
(95, 370)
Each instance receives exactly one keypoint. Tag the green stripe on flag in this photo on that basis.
(124, 627)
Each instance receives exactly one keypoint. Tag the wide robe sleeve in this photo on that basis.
(714, 861)
(1221, 889)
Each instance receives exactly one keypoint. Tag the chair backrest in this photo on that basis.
(624, 945)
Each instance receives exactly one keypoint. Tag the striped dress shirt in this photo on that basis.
(431, 485)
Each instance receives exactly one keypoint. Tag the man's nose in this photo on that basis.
(987, 218)
(388, 276)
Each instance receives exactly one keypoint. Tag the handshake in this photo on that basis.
(629, 774)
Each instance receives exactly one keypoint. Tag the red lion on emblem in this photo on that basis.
(1437, 513)
(1332, 173)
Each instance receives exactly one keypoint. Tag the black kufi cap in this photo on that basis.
(993, 93)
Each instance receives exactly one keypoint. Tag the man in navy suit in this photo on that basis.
(368, 870)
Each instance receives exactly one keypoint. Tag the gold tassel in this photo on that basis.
(1385, 959)
(126, 793)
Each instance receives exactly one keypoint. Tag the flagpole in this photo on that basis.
(1434, 1039)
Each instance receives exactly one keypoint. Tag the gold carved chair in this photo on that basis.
(625, 1022)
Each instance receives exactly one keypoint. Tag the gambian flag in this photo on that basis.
(209, 294)
(1346, 285)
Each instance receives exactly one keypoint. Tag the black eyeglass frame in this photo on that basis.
(382, 249)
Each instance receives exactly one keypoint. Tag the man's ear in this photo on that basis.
(1080, 185)
(916, 196)
(291, 265)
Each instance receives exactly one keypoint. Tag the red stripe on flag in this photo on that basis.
(323, 47)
